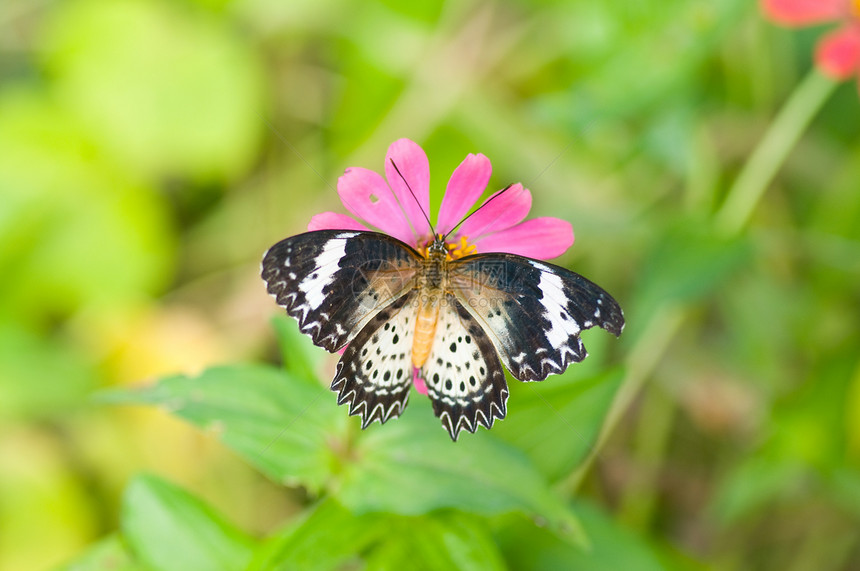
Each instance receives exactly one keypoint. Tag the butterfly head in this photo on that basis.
(437, 247)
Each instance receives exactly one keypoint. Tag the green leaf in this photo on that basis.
(442, 541)
(326, 537)
(169, 529)
(612, 547)
(109, 554)
(410, 466)
(301, 357)
(330, 537)
(285, 426)
(556, 423)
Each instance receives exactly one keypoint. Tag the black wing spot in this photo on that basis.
(399, 374)
(453, 347)
(387, 326)
(468, 339)
(462, 386)
(448, 384)
(481, 370)
(368, 365)
(472, 381)
(395, 339)
(364, 352)
(435, 377)
(386, 376)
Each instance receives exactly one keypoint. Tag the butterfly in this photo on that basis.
(457, 321)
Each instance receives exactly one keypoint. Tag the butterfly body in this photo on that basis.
(431, 284)
(455, 321)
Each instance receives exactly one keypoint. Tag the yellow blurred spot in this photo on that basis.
(148, 341)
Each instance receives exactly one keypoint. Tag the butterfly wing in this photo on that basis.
(465, 380)
(375, 372)
(334, 281)
(532, 311)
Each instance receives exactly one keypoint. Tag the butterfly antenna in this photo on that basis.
(492, 198)
(427, 218)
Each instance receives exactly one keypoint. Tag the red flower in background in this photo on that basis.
(838, 52)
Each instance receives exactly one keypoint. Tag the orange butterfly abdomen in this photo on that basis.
(425, 329)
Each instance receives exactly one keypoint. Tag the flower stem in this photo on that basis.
(771, 152)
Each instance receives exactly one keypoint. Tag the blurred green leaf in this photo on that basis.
(80, 232)
(556, 422)
(109, 554)
(286, 427)
(166, 89)
(613, 547)
(170, 530)
(301, 357)
(330, 537)
(441, 541)
(410, 466)
(687, 263)
(754, 483)
(326, 537)
(39, 376)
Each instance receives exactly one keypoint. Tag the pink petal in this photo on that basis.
(334, 221)
(804, 12)
(838, 53)
(365, 194)
(418, 382)
(413, 165)
(541, 238)
(501, 213)
(465, 186)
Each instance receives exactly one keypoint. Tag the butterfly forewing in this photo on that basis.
(334, 281)
(375, 372)
(532, 311)
(464, 377)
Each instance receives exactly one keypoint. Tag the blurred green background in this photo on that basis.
(150, 151)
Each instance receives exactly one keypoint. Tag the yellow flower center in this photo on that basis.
(456, 250)
(855, 4)
(464, 248)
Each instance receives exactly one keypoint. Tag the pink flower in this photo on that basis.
(838, 52)
(387, 205)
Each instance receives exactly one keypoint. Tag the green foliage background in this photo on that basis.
(150, 151)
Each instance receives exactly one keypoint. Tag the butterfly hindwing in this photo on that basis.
(465, 380)
(334, 281)
(532, 311)
(375, 372)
